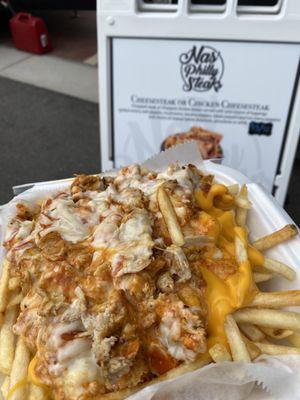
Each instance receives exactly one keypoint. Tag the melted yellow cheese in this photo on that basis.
(206, 201)
(17, 386)
(225, 296)
(32, 377)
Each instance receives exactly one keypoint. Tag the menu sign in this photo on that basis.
(232, 97)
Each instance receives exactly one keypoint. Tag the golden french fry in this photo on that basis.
(260, 277)
(277, 333)
(170, 217)
(7, 341)
(36, 393)
(266, 341)
(240, 250)
(237, 345)
(4, 286)
(18, 389)
(241, 216)
(294, 339)
(219, 353)
(268, 318)
(283, 234)
(200, 240)
(279, 268)
(274, 349)
(252, 332)
(243, 204)
(276, 299)
(260, 269)
(15, 299)
(233, 189)
(5, 386)
(14, 283)
(242, 200)
(253, 350)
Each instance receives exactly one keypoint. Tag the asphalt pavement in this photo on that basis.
(44, 135)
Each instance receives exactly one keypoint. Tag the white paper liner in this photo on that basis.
(278, 377)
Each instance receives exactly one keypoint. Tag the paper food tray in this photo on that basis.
(265, 217)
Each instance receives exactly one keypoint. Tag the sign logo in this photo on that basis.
(201, 69)
(260, 128)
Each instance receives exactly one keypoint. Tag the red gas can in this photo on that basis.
(30, 33)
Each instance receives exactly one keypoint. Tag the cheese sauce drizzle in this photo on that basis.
(237, 290)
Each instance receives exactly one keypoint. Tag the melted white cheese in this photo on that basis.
(59, 329)
(137, 227)
(72, 349)
(183, 176)
(83, 369)
(25, 229)
(74, 362)
(170, 331)
(98, 204)
(106, 232)
(134, 250)
(64, 217)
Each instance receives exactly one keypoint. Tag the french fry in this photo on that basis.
(5, 386)
(279, 268)
(252, 332)
(266, 341)
(268, 318)
(4, 286)
(242, 200)
(243, 204)
(170, 217)
(283, 234)
(241, 216)
(277, 333)
(19, 372)
(253, 350)
(276, 299)
(294, 339)
(260, 269)
(274, 349)
(36, 393)
(237, 345)
(7, 341)
(14, 283)
(240, 250)
(261, 277)
(233, 189)
(219, 353)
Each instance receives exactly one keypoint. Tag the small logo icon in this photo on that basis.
(260, 128)
(201, 69)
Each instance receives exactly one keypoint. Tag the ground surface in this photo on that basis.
(44, 135)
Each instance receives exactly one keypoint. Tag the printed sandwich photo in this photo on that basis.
(207, 141)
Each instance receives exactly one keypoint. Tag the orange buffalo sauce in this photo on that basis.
(225, 296)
